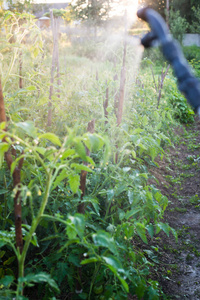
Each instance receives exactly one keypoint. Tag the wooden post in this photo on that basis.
(20, 71)
(105, 104)
(122, 78)
(55, 64)
(160, 84)
(16, 180)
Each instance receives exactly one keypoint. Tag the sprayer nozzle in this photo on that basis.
(141, 13)
(149, 40)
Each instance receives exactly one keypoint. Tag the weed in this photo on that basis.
(194, 200)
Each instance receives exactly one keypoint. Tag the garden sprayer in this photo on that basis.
(188, 84)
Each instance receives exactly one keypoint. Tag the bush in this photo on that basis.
(191, 52)
(181, 108)
(178, 25)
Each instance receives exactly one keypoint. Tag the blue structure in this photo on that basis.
(188, 84)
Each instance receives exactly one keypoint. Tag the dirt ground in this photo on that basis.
(178, 177)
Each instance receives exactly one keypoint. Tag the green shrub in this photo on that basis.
(178, 25)
(191, 52)
(182, 110)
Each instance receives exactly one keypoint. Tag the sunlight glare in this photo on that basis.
(128, 6)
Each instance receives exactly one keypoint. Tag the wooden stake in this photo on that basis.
(55, 64)
(122, 79)
(105, 104)
(20, 71)
(16, 180)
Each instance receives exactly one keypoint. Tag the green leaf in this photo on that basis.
(142, 146)
(141, 231)
(79, 221)
(77, 224)
(43, 100)
(131, 213)
(7, 281)
(150, 229)
(133, 154)
(2, 125)
(153, 294)
(114, 264)
(2, 253)
(59, 178)
(165, 227)
(138, 130)
(14, 163)
(28, 127)
(174, 233)
(110, 195)
(80, 148)
(40, 277)
(74, 182)
(153, 153)
(9, 260)
(67, 153)
(40, 150)
(130, 196)
(81, 167)
(140, 288)
(116, 267)
(34, 241)
(96, 206)
(145, 121)
(3, 191)
(71, 230)
(89, 260)
(51, 137)
(104, 239)
(2, 243)
(31, 88)
(123, 282)
(94, 142)
(3, 148)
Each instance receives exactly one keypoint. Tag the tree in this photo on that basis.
(178, 25)
(159, 6)
(91, 12)
(20, 6)
(195, 27)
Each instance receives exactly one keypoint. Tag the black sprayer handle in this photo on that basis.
(188, 84)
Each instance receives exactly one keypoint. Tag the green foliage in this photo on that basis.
(93, 13)
(110, 242)
(178, 25)
(191, 53)
(56, 13)
(182, 110)
(195, 26)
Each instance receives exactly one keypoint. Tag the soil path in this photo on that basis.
(179, 180)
